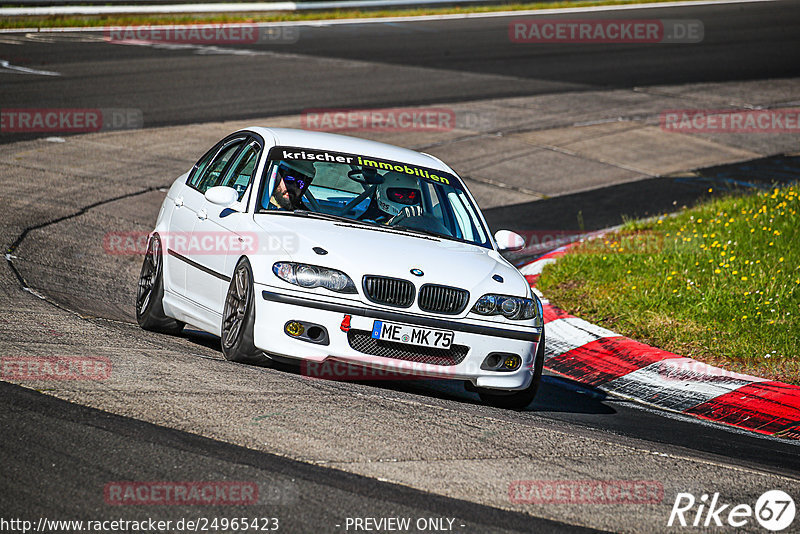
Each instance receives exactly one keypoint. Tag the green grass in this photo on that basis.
(719, 283)
(74, 21)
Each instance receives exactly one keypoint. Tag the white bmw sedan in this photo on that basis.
(318, 248)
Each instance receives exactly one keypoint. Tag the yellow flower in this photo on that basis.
(717, 271)
(744, 279)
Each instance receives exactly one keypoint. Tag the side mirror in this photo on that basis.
(509, 241)
(222, 195)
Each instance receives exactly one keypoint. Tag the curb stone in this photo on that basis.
(615, 364)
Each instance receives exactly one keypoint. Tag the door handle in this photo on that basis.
(179, 202)
(202, 215)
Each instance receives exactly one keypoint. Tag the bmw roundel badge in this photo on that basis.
(417, 272)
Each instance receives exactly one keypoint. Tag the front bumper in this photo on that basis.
(274, 308)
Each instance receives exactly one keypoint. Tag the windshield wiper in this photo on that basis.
(418, 231)
(331, 217)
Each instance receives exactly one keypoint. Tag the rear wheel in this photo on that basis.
(239, 317)
(517, 400)
(149, 307)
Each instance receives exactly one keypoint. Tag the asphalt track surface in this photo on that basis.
(387, 64)
(54, 451)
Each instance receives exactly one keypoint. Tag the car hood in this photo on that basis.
(359, 250)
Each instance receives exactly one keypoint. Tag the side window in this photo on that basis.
(241, 171)
(199, 167)
(211, 172)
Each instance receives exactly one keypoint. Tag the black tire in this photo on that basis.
(517, 400)
(239, 317)
(149, 306)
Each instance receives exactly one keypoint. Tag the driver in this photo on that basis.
(399, 193)
(294, 177)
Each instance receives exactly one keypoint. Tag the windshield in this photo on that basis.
(370, 191)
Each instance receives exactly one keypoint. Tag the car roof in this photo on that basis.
(352, 145)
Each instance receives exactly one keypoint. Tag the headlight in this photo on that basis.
(514, 308)
(310, 276)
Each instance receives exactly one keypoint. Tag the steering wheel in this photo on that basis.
(408, 211)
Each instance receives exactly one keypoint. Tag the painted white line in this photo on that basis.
(569, 333)
(264, 7)
(7, 67)
(198, 49)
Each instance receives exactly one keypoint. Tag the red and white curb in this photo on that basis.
(603, 359)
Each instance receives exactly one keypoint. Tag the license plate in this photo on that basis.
(412, 335)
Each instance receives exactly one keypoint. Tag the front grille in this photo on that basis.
(442, 299)
(389, 291)
(362, 341)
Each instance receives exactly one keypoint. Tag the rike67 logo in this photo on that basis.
(774, 510)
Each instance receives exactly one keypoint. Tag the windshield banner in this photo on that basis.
(327, 156)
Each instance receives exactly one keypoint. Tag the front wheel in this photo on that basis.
(149, 307)
(239, 317)
(518, 400)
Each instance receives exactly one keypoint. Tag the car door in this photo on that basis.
(181, 224)
(220, 225)
(191, 242)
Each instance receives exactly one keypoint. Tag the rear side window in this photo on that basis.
(240, 172)
(200, 166)
(211, 172)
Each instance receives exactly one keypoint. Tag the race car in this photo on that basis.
(313, 248)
